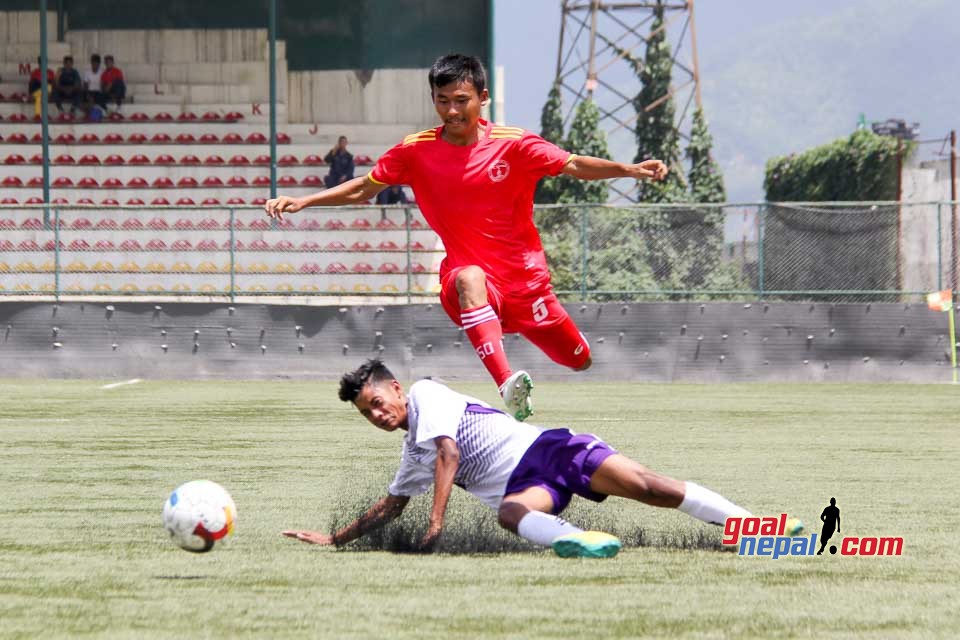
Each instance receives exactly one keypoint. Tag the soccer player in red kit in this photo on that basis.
(474, 183)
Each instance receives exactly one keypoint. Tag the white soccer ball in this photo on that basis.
(199, 513)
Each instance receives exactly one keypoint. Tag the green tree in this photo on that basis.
(706, 181)
(551, 130)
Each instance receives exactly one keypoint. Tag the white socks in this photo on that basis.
(543, 528)
(708, 506)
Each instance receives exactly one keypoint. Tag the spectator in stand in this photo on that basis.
(112, 83)
(36, 89)
(91, 84)
(392, 195)
(69, 86)
(341, 164)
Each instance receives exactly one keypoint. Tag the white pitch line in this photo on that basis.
(120, 384)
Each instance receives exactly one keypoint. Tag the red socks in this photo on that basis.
(482, 327)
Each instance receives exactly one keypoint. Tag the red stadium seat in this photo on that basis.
(107, 223)
(239, 160)
(115, 116)
(131, 224)
(362, 160)
(181, 245)
(17, 117)
(62, 182)
(233, 116)
(207, 245)
(79, 244)
(17, 138)
(335, 245)
(232, 138)
(185, 202)
(211, 116)
(360, 223)
(310, 267)
(262, 159)
(110, 202)
(388, 245)
(363, 267)
(236, 201)
(130, 245)
(160, 138)
(111, 183)
(209, 138)
(50, 245)
(416, 224)
(388, 267)
(259, 224)
(386, 223)
(187, 116)
(157, 244)
(158, 223)
(34, 200)
(258, 201)
(9, 200)
(36, 159)
(256, 138)
(286, 223)
(237, 181)
(31, 223)
(14, 158)
(139, 158)
(139, 116)
(309, 245)
(65, 117)
(418, 268)
(337, 267)
(212, 181)
(163, 116)
(61, 201)
(333, 224)
(36, 181)
(283, 138)
(210, 202)
(310, 224)
(162, 182)
(312, 181)
(261, 181)
(28, 245)
(416, 245)
(190, 159)
(12, 181)
(259, 245)
(313, 160)
(137, 183)
(185, 138)
(135, 202)
(187, 182)
(113, 138)
(283, 245)
(88, 158)
(209, 223)
(360, 245)
(104, 245)
(287, 160)
(136, 138)
(160, 202)
(88, 183)
(183, 223)
(6, 245)
(89, 138)
(214, 159)
(7, 223)
(63, 138)
(287, 181)
(113, 159)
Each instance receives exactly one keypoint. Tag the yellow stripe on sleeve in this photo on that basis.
(374, 180)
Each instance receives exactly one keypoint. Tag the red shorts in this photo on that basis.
(536, 315)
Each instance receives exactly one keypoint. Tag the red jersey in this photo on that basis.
(111, 75)
(479, 198)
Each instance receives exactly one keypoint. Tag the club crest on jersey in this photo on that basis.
(499, 170)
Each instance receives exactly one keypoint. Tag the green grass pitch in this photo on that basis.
(84, 472)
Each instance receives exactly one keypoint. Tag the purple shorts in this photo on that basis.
(562, 463)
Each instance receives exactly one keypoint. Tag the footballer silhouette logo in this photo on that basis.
(499, 170)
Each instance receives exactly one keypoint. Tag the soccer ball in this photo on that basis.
(199, 513)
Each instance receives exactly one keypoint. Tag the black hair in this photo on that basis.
(95, 57)
(457, 67)
(371, 371)
(105, 58)
(67, 59)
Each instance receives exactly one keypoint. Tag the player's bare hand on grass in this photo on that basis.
(310, 537)
(649, 170)
(276, 207)
(430, 539)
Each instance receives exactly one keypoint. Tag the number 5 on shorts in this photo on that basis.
(540, 312)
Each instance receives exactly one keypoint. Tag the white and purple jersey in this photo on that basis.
(491, 443)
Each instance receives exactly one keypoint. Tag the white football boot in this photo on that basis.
(516, 395)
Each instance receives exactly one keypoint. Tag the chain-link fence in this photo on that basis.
(845, 251)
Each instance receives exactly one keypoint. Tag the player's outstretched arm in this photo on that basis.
(448, 461)
(590, 168)
(378, 515)
(356, 191)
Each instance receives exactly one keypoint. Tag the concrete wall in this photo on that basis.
(923, 225)
(638, 342)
